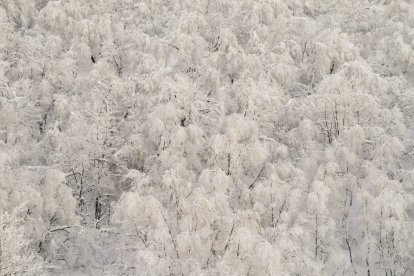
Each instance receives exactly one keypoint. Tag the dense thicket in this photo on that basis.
(207, 137)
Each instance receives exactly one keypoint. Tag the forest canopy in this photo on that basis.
(207, 137)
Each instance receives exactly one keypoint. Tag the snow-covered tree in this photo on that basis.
(17, 254)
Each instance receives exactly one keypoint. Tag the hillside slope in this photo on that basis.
(207, 137)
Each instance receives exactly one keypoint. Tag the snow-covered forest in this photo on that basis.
(207, 137)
